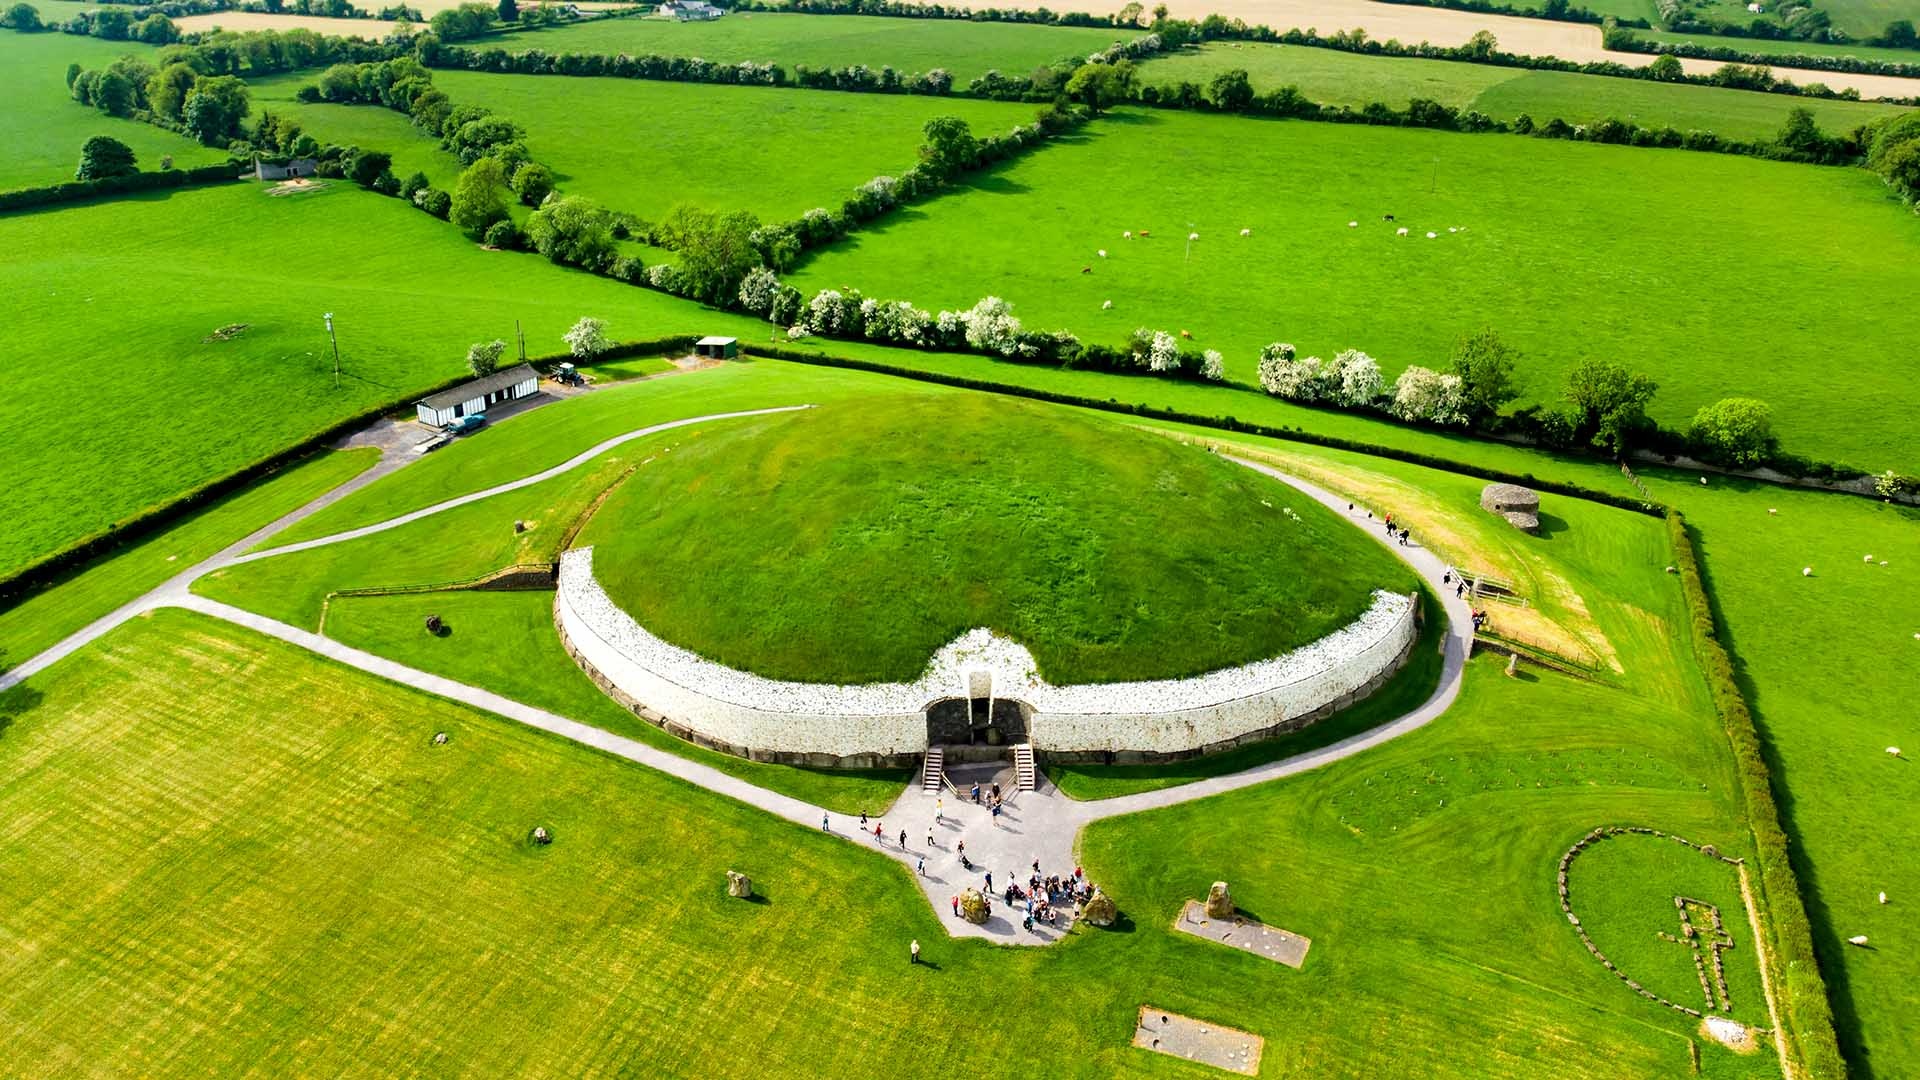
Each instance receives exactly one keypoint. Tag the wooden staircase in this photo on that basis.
(933, 771)
(1023, 770)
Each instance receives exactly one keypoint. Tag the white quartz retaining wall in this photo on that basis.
(770, 719)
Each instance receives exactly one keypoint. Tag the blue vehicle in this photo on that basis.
(466, 424)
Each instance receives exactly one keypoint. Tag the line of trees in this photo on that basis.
(176, 95)
(1622, 39)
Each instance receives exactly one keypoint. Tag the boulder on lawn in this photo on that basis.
(739, 885)
(1100, 910)
(1219, 901)
(1520, 506)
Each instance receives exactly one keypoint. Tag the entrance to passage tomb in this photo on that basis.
(977, 719)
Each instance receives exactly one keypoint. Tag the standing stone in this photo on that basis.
(1100, 910)
(1219, 901)
(739, 885)
(973, 906)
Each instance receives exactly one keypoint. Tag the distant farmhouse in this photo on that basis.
(289, 170)
(691, 10)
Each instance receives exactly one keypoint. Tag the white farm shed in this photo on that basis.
(478, 396)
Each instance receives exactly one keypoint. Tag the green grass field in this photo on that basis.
(849, 543)
(356, 125)
(967, 49)
(506, 642)
(1829, 663)
(1547, 260)
(138, 408)
(45, 617)
(645, 147)
(42, 126)
(1339, 78)
(255, 843)
(1771, 47)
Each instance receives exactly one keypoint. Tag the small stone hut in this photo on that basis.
(1520, 506)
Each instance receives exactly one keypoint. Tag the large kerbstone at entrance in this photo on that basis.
(1219, 901)
(973, 907)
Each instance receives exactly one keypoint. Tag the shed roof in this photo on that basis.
(711, 340)
(486, 384)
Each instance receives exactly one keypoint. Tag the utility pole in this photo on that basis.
(336, 349)
(521, 336)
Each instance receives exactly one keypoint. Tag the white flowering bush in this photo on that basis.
(1213, 366)
(826, 312)
(1163, 354)
(883, 190)
(587, 339)
(1305, 380)
(758, 289)
(1358, 379)
(1424, 394)
(992, 327)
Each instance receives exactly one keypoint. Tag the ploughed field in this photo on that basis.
(1567, 250)
(849, 543)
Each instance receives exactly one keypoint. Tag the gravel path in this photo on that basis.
(1039, 826)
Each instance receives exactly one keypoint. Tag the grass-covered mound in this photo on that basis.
(849, 543)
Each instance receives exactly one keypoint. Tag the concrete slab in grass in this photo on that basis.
(1198, 1040)
(1245, 934)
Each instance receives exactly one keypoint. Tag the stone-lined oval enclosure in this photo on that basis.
(820, 586)
(849, 544)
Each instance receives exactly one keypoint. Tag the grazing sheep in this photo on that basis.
(1193, 236)
(1401, 231)
(1807, 572)
(1883, 897)
(1452, 229)
(1086, 269)
(1771, 511)
(1433, 236)
(1106, 305)
(1857, 939)
(1144, 234)
(1187, 335)
(1128, 235)
(1246, 232)
(1102, 253)
(1353, 224)
(1868, 559)
(1386, 217)
(1703, 481)
(1894, 751)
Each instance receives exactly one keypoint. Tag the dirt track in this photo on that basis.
(1441, 26)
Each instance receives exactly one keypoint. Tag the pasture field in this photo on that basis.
(289, 826)
(645, 147)
(356, 125)
(1828, 661)
(1540, 261)
(842, 544)
(1770, 47)
(1338, 78)
(42, 126)
(45, 617)
(156, 411)
(966, 49)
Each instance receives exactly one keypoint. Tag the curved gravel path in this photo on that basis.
(1039, 826)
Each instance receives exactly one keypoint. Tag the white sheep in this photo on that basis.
(1128, 235)
(1246, 232)
(1452, 229)
(1893, 750)
(1102, 253)
(1883, 897)
(1106, 305)
(1433, 236)
(1353, 224)
(1703, 481)
(1400, 231)
(1193, 236)
(1771, 512)
(1806, 572)
(1868, 559)
(1857, 939)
